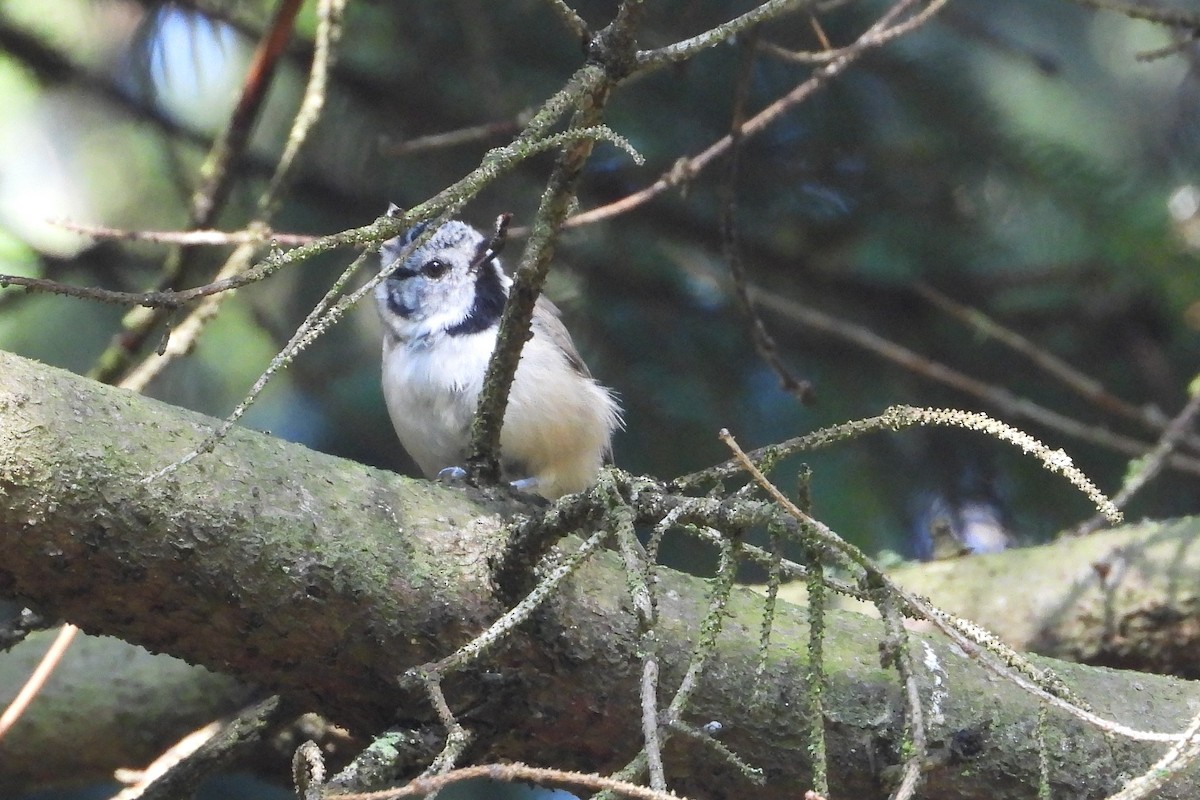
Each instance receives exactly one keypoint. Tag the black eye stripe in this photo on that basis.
(434, 268)
(403, 273)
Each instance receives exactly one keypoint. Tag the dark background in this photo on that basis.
(1018, 157)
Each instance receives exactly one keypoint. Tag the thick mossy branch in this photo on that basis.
(324, 580)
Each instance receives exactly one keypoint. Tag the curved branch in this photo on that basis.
(324, 579)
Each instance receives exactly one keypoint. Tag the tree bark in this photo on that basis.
(324, 580)
(1127, 598)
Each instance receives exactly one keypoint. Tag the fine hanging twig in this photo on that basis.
(764, 343)
(886, 599)
(985, 647)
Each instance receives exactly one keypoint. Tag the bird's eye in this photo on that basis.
(434, 268)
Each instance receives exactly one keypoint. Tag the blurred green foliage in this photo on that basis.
(1017, 156)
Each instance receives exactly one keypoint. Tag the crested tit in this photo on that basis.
(441, 309)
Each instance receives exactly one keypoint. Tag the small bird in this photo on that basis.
(441, 309)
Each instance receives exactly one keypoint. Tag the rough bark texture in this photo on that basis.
(324, 579)
(1126, 598)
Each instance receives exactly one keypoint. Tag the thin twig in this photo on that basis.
(328, 35)
(764, 343)
(45, 668)
(217, 171)
(446, 139)
(641, 579)
(685, 169)
(1084, 385)
(881, 32)
(211, 238)
(885, 600)
(509, 773)
(457, 737)
(710, 628)
(137, 780)
(900, 657)
(516, 320)
(993, 654)
(576, 24)
(685, 49)
(217, 177)
(187, 332)
(1178, 757)
(997, 396)
(1171, 17)
(1151, 464)
(482, 644)
(250, 726)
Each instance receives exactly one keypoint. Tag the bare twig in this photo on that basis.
(188, 331)
(211, 238)
(45, 668)
(685, 169)
(642, 582)
(576, 24)
(136, 781)
(515, 322)
(710, 628)
(1171, 17)
(1177, 758)
(997, 396)
(1151, 464)
(1084, 385)
(764, 343)
(881, 32)
(438, 141)
(509, 773)
(216, 173)
(899, 656)
(483, 643)
(329, 34)
(683, 50)
(187, 770)
(217, 178)
(457, 737)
